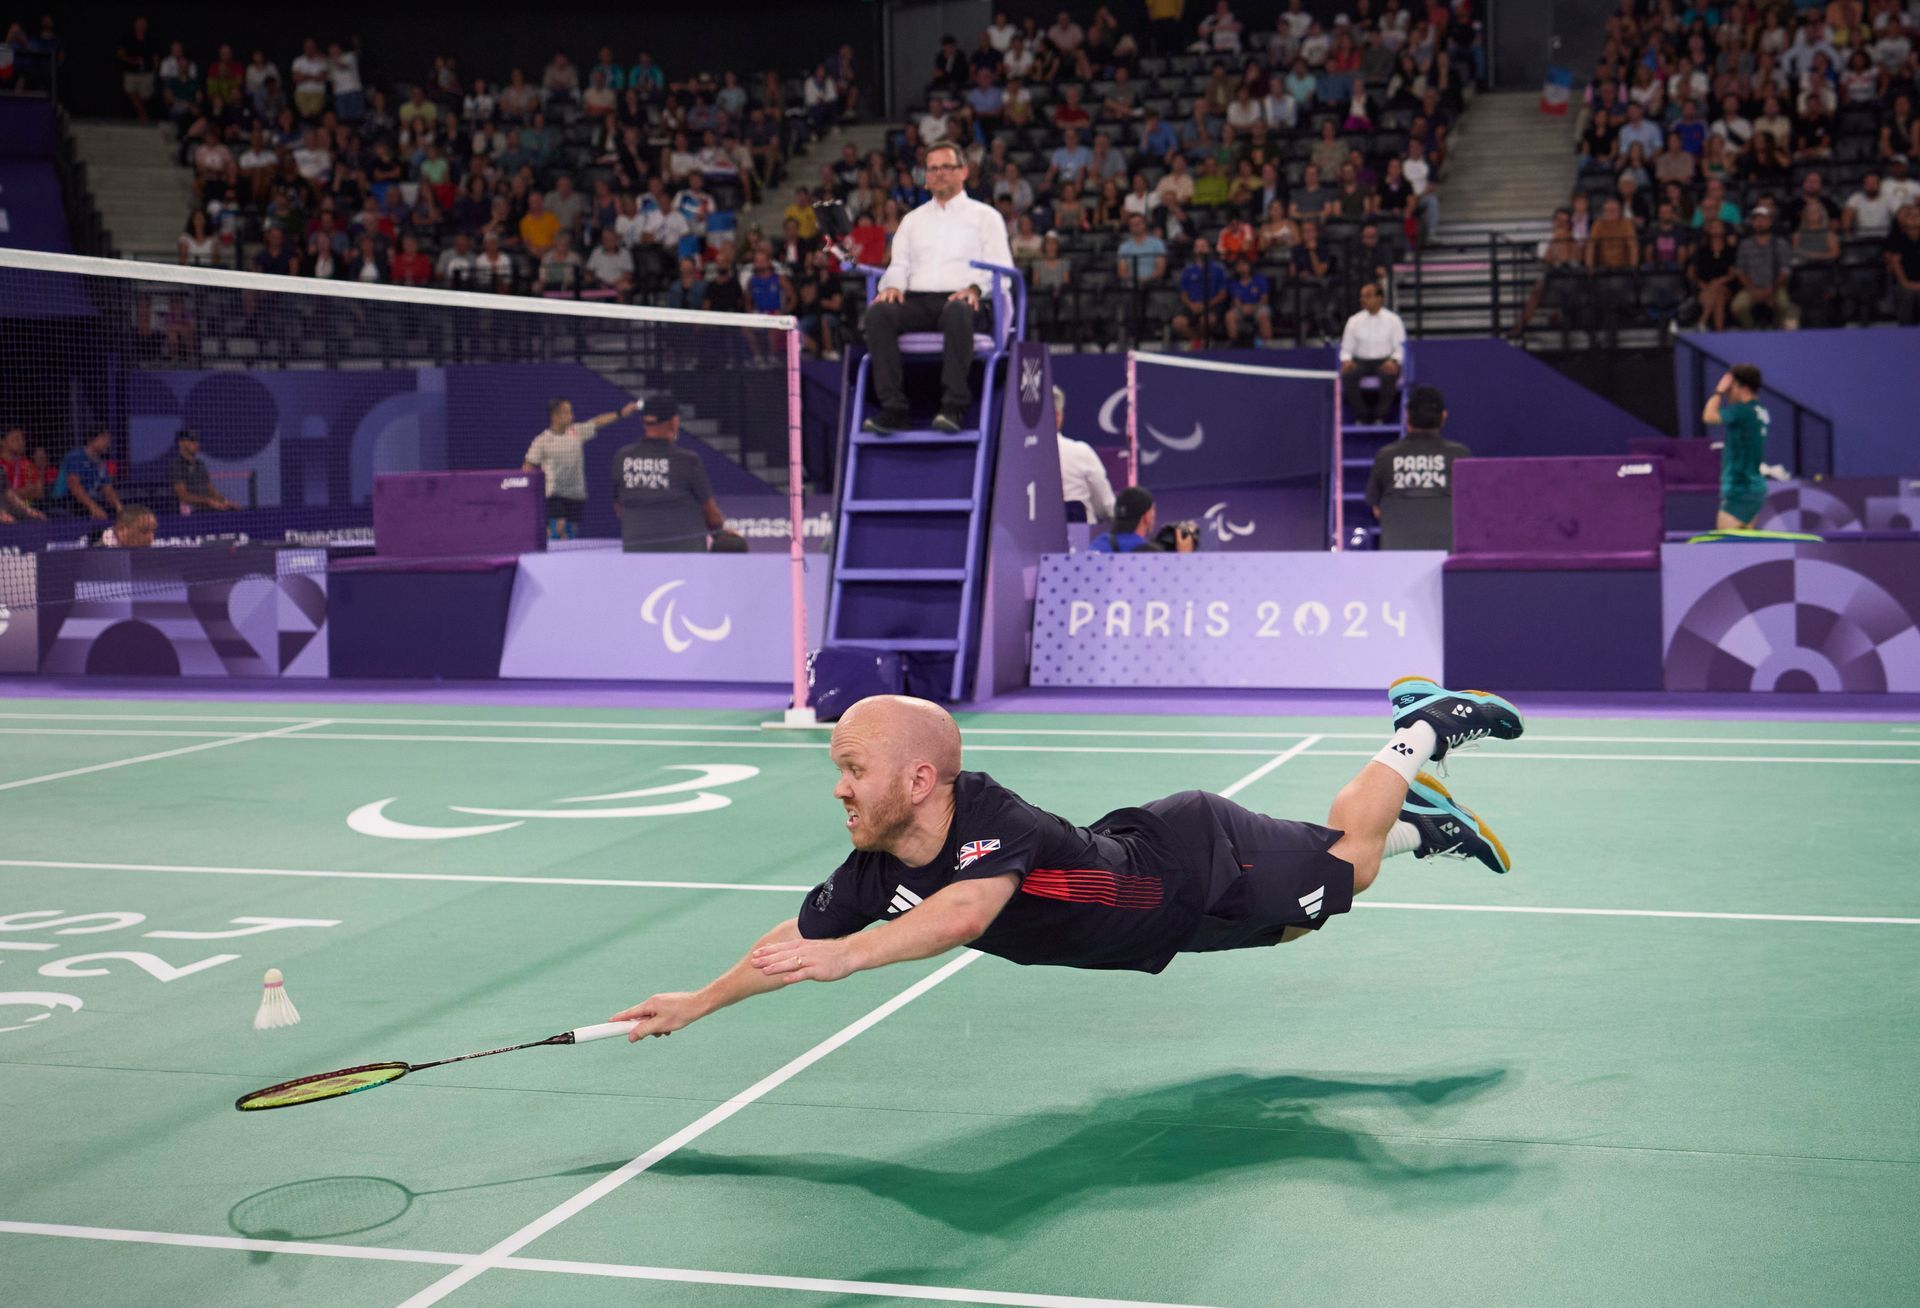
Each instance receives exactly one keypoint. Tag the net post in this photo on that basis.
(1338, 482)
(800, 714)
(1133, 422)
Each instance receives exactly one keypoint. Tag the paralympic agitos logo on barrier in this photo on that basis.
(658, 610)
(1109, 423)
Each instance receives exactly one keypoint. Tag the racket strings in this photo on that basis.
(323, 1085)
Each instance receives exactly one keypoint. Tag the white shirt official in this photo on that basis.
(1374, 336)
(1083, 477)
(936, 243)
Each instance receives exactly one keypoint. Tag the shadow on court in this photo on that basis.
(1002, 1180)
(331, 1207)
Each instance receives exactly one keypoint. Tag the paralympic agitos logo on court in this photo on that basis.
(694, 794)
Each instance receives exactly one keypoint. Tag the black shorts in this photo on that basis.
(1262, 874)
(565, 507)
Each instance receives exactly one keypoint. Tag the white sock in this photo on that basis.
(1403, 839)
(1410, 750)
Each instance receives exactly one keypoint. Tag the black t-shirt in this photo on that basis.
(1419, 467)
(1906, 251)
(1113, 895)
(662, 491)
(725, 294)
(191, 472)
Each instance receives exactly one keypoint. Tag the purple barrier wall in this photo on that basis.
(1544, 513)
(1504, 403)
(1292, 621)
(440, 515)
(1842, 505)
(1566, 629)
(177, 612)
(1863, 379)
(603, 614)
(31, 214)
(419, 619)
(1793, 617)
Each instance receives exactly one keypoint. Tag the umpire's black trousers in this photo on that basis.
(922, 311)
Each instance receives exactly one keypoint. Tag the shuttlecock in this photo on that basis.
(276, 1008)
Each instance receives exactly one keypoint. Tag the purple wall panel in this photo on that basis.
(1833, 617)
(1862, 379)
(1290, 621)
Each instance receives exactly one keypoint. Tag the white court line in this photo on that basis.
(119, 731)
(276, 733)
(1518, 756)
(611, 884)
(1644, 912)
(328, 873)
(606, 1185)
(968, 729)
(1158, 751)
(1293, 751)
(688, 1276)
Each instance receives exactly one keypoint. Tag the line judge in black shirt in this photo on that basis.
(660, 491)
(945, 858)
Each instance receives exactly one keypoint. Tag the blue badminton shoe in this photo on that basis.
(1456, 716)
(1448, 829)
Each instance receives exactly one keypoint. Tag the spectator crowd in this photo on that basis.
(614, 179)
(1200, 174)
(1744, 165)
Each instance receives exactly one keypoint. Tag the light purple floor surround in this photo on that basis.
(771, 699)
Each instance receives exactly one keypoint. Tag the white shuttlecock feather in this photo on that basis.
(276, 1009)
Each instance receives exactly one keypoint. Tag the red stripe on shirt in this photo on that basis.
(1094, 886)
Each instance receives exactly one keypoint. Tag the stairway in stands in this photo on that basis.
(143, 193)
(1508, 167)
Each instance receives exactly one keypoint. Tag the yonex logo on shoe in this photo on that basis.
(1463, 710)
(1449, 829)
(903, 899)
(1315, 901)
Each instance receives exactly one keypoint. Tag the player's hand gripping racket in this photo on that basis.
(352, 1080)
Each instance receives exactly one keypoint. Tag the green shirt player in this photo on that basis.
(1735, 403)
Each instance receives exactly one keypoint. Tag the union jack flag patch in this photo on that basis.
(975, 850)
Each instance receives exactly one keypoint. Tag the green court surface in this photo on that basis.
(1671, 1059)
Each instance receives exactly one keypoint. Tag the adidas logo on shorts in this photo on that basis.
(1315, 901)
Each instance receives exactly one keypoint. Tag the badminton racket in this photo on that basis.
(352, 1080)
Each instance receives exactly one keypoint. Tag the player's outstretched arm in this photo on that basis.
(946, 920)
(611, 417)
(666, 1013)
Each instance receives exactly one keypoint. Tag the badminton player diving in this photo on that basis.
(944, 857)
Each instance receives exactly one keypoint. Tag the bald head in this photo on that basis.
(897, 758)
(904, 732)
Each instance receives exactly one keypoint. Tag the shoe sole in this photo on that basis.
(1479, 823)
(1501, 700)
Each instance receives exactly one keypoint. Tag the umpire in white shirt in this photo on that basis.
(1373, 345)
(1083, 477)
(929, 284)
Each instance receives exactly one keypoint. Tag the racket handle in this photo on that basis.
(602, 1031)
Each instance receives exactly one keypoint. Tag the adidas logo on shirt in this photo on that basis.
(1314, 901)
(903, 899)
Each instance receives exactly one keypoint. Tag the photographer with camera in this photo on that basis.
(1133, 529)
